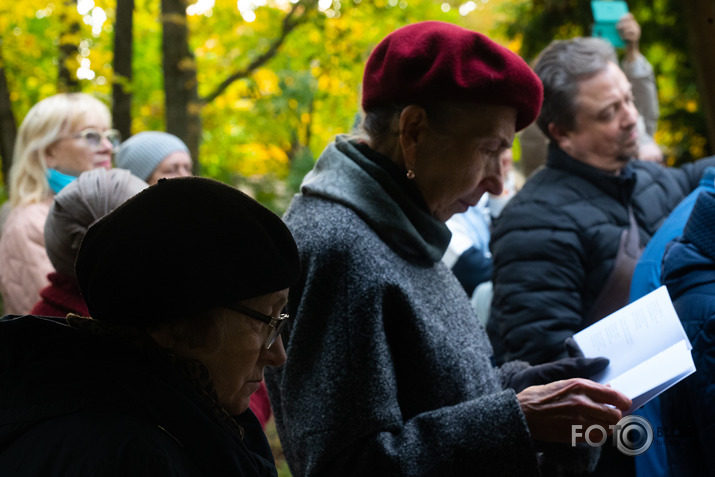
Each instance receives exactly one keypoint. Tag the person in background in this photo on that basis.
(688, 408)
(152, 155)
(158, 381)
(565, 246)
(646, 278)
(388, 370)
(93, 195)
(641, 76)
(534, 143)
(647, 274)
(61, 137)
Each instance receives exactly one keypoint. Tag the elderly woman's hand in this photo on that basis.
(553, 409)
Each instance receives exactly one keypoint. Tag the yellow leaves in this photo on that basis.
(676, 141)
(68, 38)
(515, 43)
(243, 105)
(315, 37)
(47, 89)
(691, 106)
(145, 110)
(267, 82)
(697, 146)
(257, 159)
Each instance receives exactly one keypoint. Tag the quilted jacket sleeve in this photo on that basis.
(537, 281)
(24, 263)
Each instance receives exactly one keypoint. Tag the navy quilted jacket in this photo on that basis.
(688, 409)
(555, 243)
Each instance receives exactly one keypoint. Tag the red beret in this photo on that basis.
(436, 61)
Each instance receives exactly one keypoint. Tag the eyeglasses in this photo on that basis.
(276, 324)
(94, 137)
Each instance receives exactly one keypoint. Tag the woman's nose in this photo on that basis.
(105, 145)
(276, 354)
(494, 184)
(493, 181)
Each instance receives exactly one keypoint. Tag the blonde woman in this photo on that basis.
(61, 137)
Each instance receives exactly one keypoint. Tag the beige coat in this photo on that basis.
(24, 264)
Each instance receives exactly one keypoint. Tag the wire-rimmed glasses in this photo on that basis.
(276, 324)
(94, 137)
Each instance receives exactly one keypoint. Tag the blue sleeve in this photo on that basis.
(472, 268)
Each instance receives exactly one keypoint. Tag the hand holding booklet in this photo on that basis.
(646, 344)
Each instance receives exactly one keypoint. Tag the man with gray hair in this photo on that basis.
(564, 248)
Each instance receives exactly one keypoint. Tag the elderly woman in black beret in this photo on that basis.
(186, 284)
(389, 371)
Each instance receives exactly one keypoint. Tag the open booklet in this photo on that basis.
(646, 344)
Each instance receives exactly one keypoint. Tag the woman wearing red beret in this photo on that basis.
(388, 370)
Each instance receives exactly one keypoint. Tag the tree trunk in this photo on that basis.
(180, 84)
(121, 94)
(69, 49)
(8, 127)
(700, 16)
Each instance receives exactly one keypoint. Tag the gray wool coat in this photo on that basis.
(389, 371)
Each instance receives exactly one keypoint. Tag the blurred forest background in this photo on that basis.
(257, 88)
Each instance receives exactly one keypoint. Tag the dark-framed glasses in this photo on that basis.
(94, 137)
(276, 324)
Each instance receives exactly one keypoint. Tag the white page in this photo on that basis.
(650, 378)
(633, 334)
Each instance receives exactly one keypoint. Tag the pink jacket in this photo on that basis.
(24, 264)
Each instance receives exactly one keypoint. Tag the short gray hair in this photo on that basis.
(381, 124)
(561, 66)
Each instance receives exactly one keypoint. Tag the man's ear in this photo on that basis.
(561, 136)
(413, 132)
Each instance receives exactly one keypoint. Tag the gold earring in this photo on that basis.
(410, 174)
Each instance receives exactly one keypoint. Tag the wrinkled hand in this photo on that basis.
(575, 366)
(551, 410)
(628, 28)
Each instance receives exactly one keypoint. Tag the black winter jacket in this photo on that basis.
(555, 243)
(75, 403)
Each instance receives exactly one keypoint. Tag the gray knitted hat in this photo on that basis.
(143, 152)
(93, 195)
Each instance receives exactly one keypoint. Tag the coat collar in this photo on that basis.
(619, 186)
(391, 205)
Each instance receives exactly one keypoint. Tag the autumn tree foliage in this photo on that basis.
(676, 39)
(257, 88)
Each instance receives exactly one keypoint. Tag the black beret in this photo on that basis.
(183, 246)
